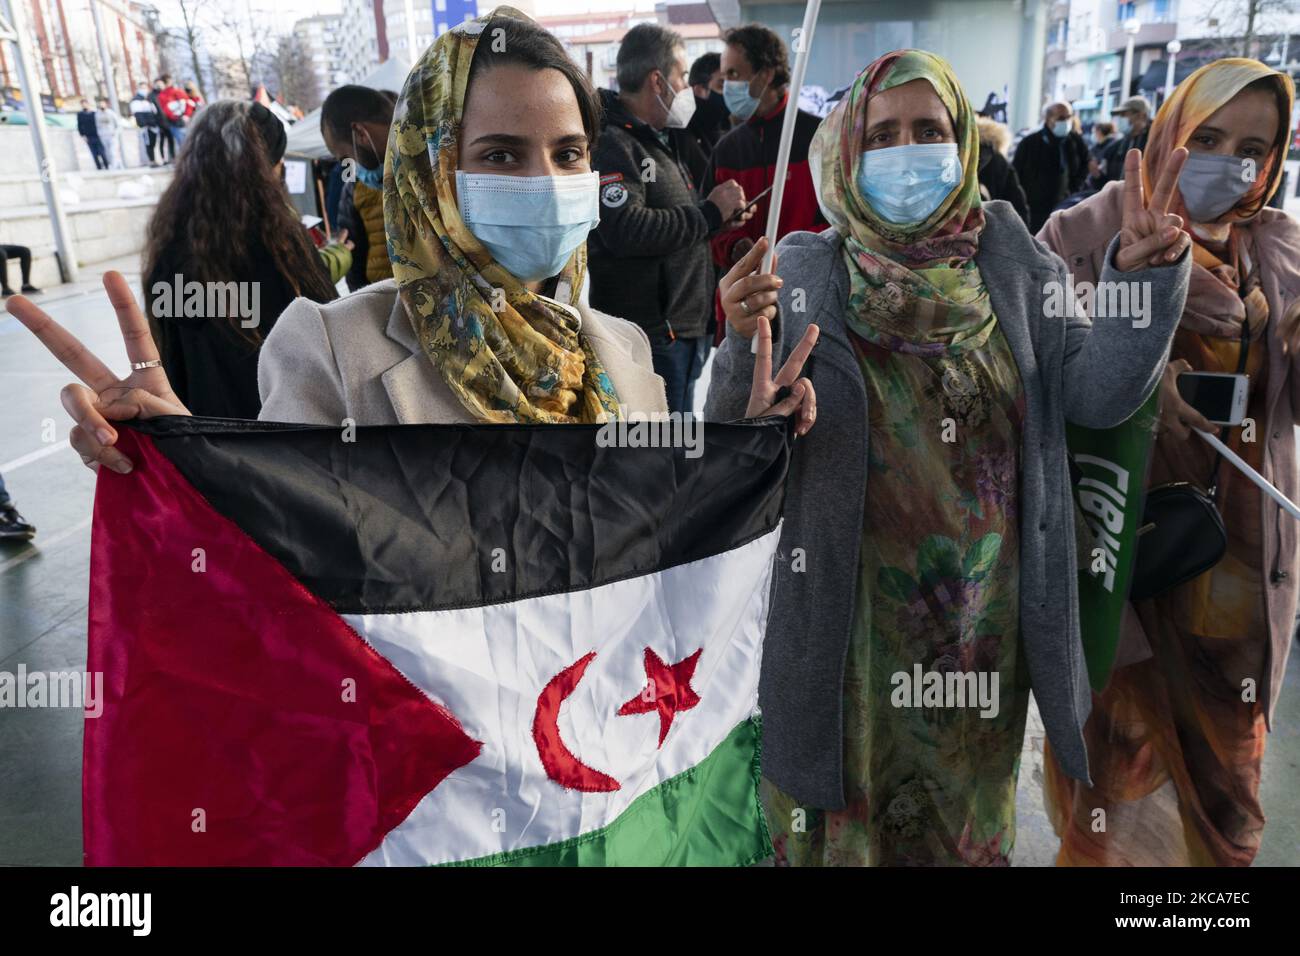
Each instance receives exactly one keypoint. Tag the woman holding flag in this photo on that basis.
(1176, 739)
(929, 528)
(488, 197)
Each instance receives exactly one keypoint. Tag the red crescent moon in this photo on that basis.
(560, 763)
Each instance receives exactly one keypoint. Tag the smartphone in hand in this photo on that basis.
(749, 205)
(1219, 396)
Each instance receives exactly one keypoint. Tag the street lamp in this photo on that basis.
(1172, 48)
(1131, 27)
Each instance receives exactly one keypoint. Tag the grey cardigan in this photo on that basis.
(1094, 374)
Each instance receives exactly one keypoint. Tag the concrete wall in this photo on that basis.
(107, 211)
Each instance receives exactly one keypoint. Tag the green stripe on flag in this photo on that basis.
(708, 815)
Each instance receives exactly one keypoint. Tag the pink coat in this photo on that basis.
(1080, 236)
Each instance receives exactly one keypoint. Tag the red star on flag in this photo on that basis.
(668, 690)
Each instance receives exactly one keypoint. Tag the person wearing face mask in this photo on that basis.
(1052, 163)
(650, 253)
(926, 504)
(166, 141)
(711, 118)
(354, 123)
(1103, 139)
(1132, 120)
(1175, 743)
(489, 196)
(756, 85)
(108, 123)
(145, 114)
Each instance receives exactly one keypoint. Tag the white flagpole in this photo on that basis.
(801, 55)
(1264, 485)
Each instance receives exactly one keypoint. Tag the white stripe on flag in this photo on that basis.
(488, 666)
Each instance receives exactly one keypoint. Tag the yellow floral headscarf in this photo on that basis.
(1198, 98)
(1224, 287)
(527, 362)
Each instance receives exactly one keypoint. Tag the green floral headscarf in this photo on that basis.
(526, 361)
(914, 287)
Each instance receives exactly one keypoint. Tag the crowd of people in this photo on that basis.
(162, 116)
(534, 250)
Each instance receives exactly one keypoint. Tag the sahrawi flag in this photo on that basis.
(488, 645)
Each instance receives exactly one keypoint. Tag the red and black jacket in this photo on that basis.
(747, 154)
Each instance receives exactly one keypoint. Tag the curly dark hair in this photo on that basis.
(225, 194)
(763, 49)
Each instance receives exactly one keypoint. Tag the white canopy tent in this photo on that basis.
(304, 135)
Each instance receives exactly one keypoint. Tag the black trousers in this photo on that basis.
(24, 257)
(97, 151)
(166, 144)
(150, 136)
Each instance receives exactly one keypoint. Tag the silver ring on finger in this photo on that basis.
(745, 305)
(152, 363)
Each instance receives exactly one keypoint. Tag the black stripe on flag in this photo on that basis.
(424, 517)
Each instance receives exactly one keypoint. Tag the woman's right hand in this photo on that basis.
(145, 393)
(1176, 416)
(746, 293)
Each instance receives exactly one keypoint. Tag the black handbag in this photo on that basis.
(1182, 534)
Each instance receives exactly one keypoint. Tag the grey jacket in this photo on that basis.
(1094, 374)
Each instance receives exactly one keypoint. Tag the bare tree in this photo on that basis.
(88, 60)
(1239, 26)
(239, 29)
(192, 34)
(229, 77)
(294, 74)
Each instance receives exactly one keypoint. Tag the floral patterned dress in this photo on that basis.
(938, 587)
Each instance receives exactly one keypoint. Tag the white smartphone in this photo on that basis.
(1219, 396)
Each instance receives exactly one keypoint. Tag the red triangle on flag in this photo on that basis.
(244, 722)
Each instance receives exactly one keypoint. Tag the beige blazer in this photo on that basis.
(358, 358)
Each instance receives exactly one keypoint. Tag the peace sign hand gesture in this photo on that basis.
(1149, 234)
(764, 389)
(145, 393)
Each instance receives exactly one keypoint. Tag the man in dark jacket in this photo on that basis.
(712, 119)
(1132, 123)
(166, 141)
(755, 63)
(1052, 162)
(86, 128)
(649, 257)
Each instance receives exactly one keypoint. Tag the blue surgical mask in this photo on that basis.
(530, 224)
(1212, 184)
(906, 184)
(1122, 125)
(736, 95)
(374, 178)
(1061, 129)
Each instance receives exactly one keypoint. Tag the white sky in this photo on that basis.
(283, 13)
